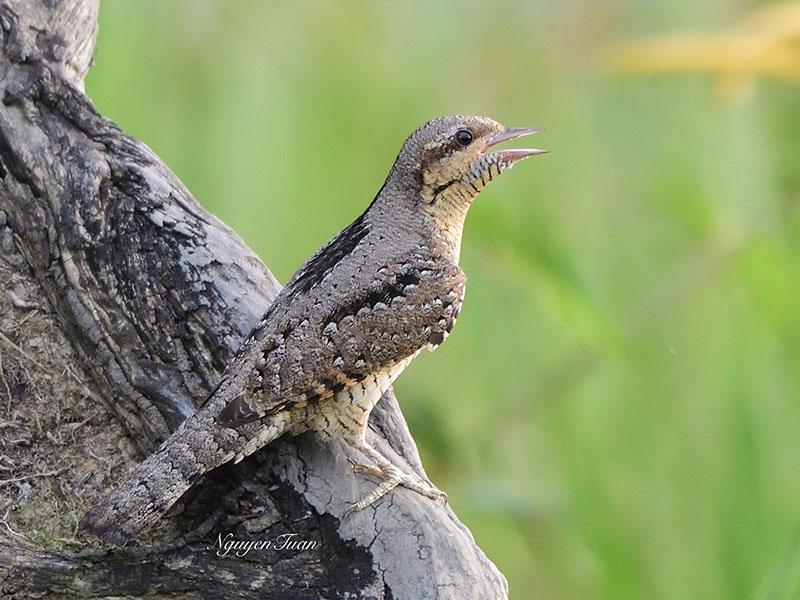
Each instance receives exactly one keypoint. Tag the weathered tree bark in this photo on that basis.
(122, 296)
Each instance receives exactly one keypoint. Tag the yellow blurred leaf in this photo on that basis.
(766, 43)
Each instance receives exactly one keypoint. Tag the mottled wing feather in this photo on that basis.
(405, 308)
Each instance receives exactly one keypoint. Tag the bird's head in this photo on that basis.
(448, 161)
(454, 157)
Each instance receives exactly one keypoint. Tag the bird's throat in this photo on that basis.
(446, 215)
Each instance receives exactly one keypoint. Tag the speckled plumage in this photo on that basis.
(344, 327)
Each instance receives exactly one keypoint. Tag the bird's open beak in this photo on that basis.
(512, 133)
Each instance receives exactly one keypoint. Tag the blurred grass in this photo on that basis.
(616, 415)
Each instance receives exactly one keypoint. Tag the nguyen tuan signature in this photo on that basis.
(286, 541)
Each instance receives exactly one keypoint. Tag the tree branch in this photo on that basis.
(154, 295)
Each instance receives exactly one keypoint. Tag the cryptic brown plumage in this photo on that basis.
(344, 327)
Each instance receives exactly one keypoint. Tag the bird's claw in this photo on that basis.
(390, 481)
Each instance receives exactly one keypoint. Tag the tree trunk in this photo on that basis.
(122, 301)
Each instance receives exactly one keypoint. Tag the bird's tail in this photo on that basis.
(157, 483)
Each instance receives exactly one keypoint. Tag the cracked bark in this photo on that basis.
(153, 295)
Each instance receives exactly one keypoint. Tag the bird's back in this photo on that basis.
(338, 322)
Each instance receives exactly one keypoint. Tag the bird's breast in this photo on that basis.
(346, 412)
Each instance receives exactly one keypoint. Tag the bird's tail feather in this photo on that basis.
(157, 483)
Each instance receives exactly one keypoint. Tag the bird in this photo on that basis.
(346, 324)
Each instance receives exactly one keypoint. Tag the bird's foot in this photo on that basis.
(392, 477)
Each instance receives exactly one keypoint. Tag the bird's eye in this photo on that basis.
(464, 137)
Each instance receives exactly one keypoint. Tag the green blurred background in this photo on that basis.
(616, 414)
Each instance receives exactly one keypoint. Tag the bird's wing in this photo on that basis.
(406, 307)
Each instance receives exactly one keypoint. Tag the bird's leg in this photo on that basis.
(392, 477)
(374, 471)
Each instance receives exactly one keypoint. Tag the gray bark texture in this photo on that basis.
(121, 301)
